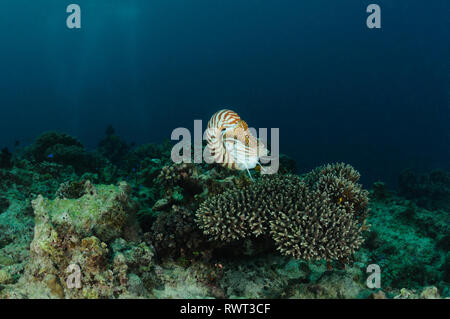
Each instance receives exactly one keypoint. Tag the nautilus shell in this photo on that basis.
(231, 143)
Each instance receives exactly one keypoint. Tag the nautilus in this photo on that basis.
(230, 142)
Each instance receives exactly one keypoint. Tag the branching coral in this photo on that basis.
(319, 218)
(340, 182)
(316, 229)
(236, 214)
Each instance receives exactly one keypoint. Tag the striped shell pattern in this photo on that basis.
(231, 143)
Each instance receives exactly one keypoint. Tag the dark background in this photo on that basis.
(338, 91)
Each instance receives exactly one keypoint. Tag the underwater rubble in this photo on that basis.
(136, 225)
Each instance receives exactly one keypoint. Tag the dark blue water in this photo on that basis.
(338, 91)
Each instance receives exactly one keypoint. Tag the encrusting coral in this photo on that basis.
(81, 232)
(322, 218)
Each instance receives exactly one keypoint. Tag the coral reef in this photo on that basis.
(81, 232)
(174, 234)
(380, 191)
(238, 213)
(431, 191)
(113, 147)
(5, 158)
(409, 243)
(4, 204)
(139, 226)
(426, 293)
(63, 149)
(340, 182)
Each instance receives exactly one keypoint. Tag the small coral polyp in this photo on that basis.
(319, 217)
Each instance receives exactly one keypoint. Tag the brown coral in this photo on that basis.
(236, 213)
(316, 229)
(179, 175)
(319, 218)
(174, 234)
(340, 182)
